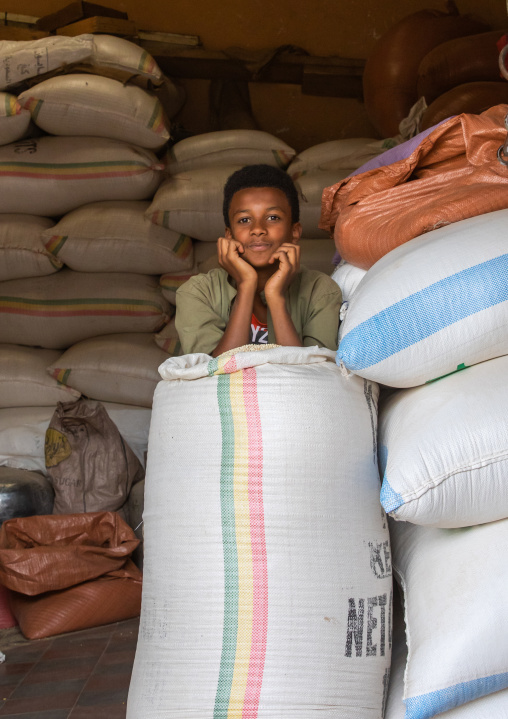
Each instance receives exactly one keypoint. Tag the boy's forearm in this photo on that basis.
(237, 332)
(283, 327)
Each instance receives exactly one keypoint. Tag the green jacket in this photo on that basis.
(203, 305)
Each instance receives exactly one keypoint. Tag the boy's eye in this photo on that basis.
(243, 220)
(273, 217)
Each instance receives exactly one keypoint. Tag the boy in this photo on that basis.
(260, 293)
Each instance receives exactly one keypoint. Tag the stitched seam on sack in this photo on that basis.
(432, 484)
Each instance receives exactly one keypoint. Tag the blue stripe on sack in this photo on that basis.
(424, 313)
(426, 706)
(390, 499)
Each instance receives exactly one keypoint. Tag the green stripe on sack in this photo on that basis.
(230, 628)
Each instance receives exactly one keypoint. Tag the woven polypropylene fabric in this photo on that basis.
(267, 579)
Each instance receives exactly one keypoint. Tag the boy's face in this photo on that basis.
(260, 220)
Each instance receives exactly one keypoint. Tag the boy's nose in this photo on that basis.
(258, 228)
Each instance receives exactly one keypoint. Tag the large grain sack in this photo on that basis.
(23, 431)
(443, 449)
(116, 236)
(191, 203)
(493, 706)
(59, 310)
(113, 368)
(471, 97)
(391, 71)
(54, 175)
(228, 147)
(23, 60)
(452, 173)
(336, 155)
(118, 54)
(24, 381)
(431, 306)
(14, 119)
(22, 251)
(310, 188)
(465, 59)
(454, 583)
(99, 107)
(348, 277)
(275, 597)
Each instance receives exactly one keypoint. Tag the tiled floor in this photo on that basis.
(84, 675)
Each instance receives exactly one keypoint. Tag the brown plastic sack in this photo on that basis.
(51, 552)
(69, 572)
(472, 97)
(473, 58)
(453, 174)
(90, 466)
(391, 71)
(91, 604)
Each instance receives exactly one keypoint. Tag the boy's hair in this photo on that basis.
(261, 176)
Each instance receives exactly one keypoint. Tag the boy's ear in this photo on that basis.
(228, 234)
(296, 233)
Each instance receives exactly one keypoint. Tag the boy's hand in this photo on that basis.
(229, 252)
(288, 255)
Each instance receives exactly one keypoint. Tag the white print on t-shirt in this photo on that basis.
(259, 335)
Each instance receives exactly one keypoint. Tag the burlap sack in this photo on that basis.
(90, 465)
(452, 175)
(69, 572)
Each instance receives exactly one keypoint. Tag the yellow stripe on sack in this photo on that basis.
(244, 548)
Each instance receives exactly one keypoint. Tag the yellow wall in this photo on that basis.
(322, 27)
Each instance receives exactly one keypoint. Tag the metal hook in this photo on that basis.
(502, 153)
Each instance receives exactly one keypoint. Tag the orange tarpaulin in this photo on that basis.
(453, 174)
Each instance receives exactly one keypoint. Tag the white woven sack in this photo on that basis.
(432, 305)
(493, 706)
(346, 154)
(274, 599)
(22, 251)
(228, 147)
(22, 60)
(191, 203)
(24, 381)
(92, 105)
(59, 310)
(443, 449)
(112, 368)
(454, 583)
(14, 119)
(348, 277)
(54, 175)
(116, 236)
(117, 53)
(310, 189)
(23, 432)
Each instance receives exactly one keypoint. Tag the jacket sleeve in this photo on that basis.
(199, 325)
(321, 326)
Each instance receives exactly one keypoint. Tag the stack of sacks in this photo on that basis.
(462, 75)
(431, 319)
(88, 283)
(391, 72)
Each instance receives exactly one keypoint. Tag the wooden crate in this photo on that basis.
(77, 11)
(107, 25)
